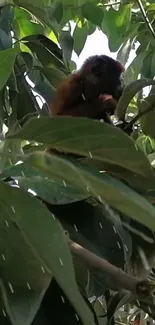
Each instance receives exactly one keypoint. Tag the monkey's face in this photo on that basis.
(102, 75)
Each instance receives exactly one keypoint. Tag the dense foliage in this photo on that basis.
(106, 200)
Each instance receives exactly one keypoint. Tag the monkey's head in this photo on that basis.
(102, 75)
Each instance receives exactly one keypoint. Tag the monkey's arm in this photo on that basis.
(96, 109)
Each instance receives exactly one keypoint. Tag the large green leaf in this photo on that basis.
(129, 92)
(51, 190)
(39, 8)
(67, 43)
(23, 282)
(5, 40)
(10, 153)
(7, 59)
(46, 42)
(23, 102)
(44, 236)
(100, 231)
(147, 120)
(145, 143)
(46, 50)
(6, 20)
(132, 72)
(115, 25)
(124, 16)
(3, 112)
(12, 82)
(139, 182)
(27, 60)
(80, 36)
(124, 51)
(101, 186)
(23, 24)
(57, 10)
(93, 13)
(101, 141)
(44, 88)
(146, 69)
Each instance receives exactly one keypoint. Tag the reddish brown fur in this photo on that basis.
(68, 91)
(69, 98)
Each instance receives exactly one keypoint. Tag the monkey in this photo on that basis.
(93, 91)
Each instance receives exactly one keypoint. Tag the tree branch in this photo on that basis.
(121, 279)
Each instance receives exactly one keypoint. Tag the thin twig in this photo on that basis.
(145, 18)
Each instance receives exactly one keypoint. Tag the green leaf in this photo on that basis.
(38, 8)
(139, 183)
(10, 153)
(132, 72)
(23, 24)
(101, 186)
(80, 37)
(46, 50)
(153, 65)
(57, 10)
(52, 191)
(6, 21)
(151, 7)
(91, 28)
(7, 59)
(146, 69)
(124, 51)
(28, 60)
(67, 43)
(115, 25)
(23, 282)
(54, 76)
(5, 40)
(92, 13)
(69, 14)
(6, 18)
(123, 16)
(43, 87)
(46, 42)
(129, 92)
(12, 82)
(147, 120)
(72, 66)
(96, 239)
(23, 99)
(145, 143)
(46, 241)
(3, 112)
(101, 141)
